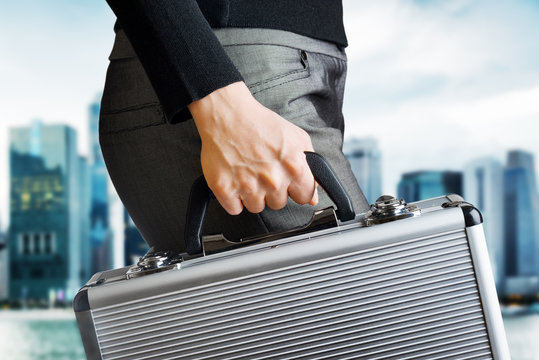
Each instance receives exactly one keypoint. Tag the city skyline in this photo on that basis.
(426, 79)
(367, 145)
(48, 175)
(441, 85)
(434, 100)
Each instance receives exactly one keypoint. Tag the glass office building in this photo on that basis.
(521, 213)
(84, 204)
(365, 160)
(45, 231)
(134, 244)
(421, 185)
(101, 244)
(484, 187)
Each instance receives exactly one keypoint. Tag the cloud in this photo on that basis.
(439, 82)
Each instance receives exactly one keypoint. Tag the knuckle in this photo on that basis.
(305, 138)
(273, 179)
(295, 166)
(220, 186)
(247, 185)
(302, 174)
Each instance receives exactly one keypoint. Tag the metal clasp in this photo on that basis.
(155, 261)
(388, 208)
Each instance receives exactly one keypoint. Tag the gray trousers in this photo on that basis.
(153, 163)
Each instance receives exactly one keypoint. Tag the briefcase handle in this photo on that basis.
(201, 195)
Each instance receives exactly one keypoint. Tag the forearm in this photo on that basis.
(178, 50)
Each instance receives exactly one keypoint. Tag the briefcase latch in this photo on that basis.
(388, 208)
(155, 261)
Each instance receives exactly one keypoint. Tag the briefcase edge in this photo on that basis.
(85, 322)
(487, 292)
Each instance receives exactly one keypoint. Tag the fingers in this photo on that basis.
(302, 188)
(232, 205)
(246, 192)
(275, 183)
(272, 188)
(277, 200)
(254, 203)
(303, 194)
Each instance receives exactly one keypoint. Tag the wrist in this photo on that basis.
(215, 109)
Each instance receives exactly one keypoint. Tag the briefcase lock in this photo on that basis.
(388, 208)
(155, 261)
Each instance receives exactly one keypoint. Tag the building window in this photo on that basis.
(48, 243)
(37, 243)
(25, 201)
(26, 244)
(53, 242)
(36, 273)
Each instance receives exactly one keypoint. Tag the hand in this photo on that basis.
(250, 155)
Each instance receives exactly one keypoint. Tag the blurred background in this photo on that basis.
(442, 97)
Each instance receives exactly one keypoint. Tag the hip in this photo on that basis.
(279, 67)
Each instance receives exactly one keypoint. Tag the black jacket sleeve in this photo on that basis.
(178, 50)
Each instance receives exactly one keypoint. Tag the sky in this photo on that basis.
(437, 83)
(440, 83)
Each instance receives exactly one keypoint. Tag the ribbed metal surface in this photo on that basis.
(416, 299)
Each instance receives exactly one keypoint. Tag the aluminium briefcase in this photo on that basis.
(401, 281)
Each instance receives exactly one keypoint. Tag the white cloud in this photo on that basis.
(439, 83)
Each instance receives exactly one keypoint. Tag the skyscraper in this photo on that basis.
(365, 160)
(483, 187)
(44, 235)
(521, 213)
(420, 185)
(134, 245)
(84, 205)
(100, 233)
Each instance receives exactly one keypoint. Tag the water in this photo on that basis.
(39, 335)
(44, 335)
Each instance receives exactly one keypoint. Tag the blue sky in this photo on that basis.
(438, 83)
